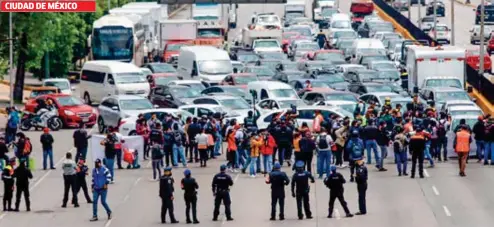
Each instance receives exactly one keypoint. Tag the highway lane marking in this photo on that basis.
(108, 223)
(435, 190)
(446, 211)
(337, 214)
(426, 173)
(234, 181)
(2, 216)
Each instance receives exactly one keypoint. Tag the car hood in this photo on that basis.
(342, 86)
(79, 108)
(132, 113)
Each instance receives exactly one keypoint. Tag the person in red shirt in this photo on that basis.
(232, 147)
(267, 150)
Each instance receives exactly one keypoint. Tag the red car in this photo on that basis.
(172, 49)
(239, 79)
(490, 45)
(473, 60)
(71, 110)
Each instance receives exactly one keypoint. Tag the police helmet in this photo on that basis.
(333, 168)
(187, 172)
(277, 165)
(168, 169)
(299, 164)
(223, 167)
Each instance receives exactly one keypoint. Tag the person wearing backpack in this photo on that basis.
(178, 146)
(157, 157)
(24, 148)
(12, 124)
(399, 147)
(355, 148)
(324, 142)
(442, 139)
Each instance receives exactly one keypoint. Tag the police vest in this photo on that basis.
(462, 141)
(249, 122)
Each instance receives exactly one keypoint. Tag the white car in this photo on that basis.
(60, 83)
(239, 66)
(197, 84)
(117, 107)
(377, 97)
(266, 45)
(267, 105)
(268, 20)
(442, 33)
(199, 110)
(235, 106)
(127, 126)
(346, 67)
(426, 23)
(349, 106)
(305, 114)
(465, 110)
(454, 103)
(336, 33)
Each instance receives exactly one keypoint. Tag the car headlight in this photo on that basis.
(69, 113)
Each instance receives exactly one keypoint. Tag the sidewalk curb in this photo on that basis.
(463, 3)
(177, 11)
(26, 87)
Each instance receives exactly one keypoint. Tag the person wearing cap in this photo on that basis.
(355, 147)
(8, 187)
(101, 177)
(69, 180)
(361, 178)
(81, 173)
(22, 174)
(221, 191)
(81, 137)
(190, 186)
(479, 136)
(461, 144)
(417, 147)
(166, 195)
(278, 180)
(47, 141)
(300, 189)
(335, 183)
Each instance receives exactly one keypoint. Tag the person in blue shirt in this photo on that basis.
(12, 124)
(101, 178)
(321, 39)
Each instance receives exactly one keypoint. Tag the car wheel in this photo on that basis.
(87, 98)
(101, 125)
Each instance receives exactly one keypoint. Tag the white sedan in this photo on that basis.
(128, 125)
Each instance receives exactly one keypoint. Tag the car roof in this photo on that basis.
(186, 81)
(444, 89)
(125, 97)
(464, 108)
(220, 97)
(382, 94)
(168, 110)
(211, 106)
(56, 79)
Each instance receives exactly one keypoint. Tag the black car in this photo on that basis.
(173, 96)
(440, 9)
(228, 90)
(368, 87)
(263, 72)
(356, 75)
(286, 76)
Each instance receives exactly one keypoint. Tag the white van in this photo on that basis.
(272, 90)
(341, 21)
(103, 78)
(207, 63)
(367, 46)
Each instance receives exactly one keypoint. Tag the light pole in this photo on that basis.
(420, 13)
(482, 44)
(452, 22)
(435, 19)
(11, 61)
(409, 9)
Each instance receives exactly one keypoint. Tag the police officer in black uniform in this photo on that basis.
(190, 186)
(250, 122)
(221, 191)
(417, 147)
(300, 181)
(361, 180)
(278, 180)
(335, 183)
(166, 194)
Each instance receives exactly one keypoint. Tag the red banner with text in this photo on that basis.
(48, 6)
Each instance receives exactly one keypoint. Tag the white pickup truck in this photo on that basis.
(262, 40)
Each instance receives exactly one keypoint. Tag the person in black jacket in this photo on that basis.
(110, 153)
(81, 173)
(370, 134)
(221, 190)
(192, 131)
(479, 136)
(307, 148)
(166, 195)
(8, 187)
(361, 178)
(47, 140)
(3, 152)
(278, 180)
(335, 183)
(285, 141)
(383, 142)
(81, 141)
(417, 147)
(22, 175)
(190, 186)
(301, 189)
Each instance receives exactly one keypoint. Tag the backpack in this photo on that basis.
(356, 149)
(322, 144)
(28, 147)
(441, 130)
(168, 139)
(177, 136)
(156, 152)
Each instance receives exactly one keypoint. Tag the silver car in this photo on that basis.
(400, 5)
(475, 34)
(117, 107)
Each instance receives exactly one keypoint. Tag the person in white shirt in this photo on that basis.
(202, 146)
(324, 143)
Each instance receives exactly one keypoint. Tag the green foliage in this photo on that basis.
(4, 66)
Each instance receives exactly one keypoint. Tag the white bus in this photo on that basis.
(146, 18)
(118, 38)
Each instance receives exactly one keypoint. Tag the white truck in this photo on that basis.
(295, 7)
(212, 20)
(262, 40)
(174, 34)
(442, 66)
(319, 5)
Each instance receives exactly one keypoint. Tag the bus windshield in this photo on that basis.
(113, 43)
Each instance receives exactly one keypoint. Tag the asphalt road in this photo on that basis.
(441, 199)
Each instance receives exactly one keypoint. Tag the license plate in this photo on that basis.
(85, 119)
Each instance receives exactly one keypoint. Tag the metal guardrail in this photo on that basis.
(480, 83)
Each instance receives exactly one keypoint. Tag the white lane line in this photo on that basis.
(108, 223)
(435, 190)
(446, 211)
(337, 214)
(137, 181)
(426, 173)
(234, 181)
(2, 216)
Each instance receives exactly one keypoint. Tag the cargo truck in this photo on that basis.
(212, 23)
(174, 34)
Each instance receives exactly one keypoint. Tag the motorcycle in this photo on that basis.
(48, 119)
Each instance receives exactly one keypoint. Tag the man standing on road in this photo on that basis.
(81, 173)
(301, 189)
(190, 186)
(221, 190)
(278, 181)
(479, 132)
(101, 178)
(69, 180)
(335, 183)
(110, 153)
(361, 180)
(8, 189)
(80, 141)
(47, 140)
(12, 124)
(461, 144)
(417, 147)
(22, 175)
(166, 195)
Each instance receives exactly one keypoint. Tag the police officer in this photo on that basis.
(221, 191)
(22, 175)
(300, 181)
(278, 181)
(250, 122)
(417, 147)
(335, 183)
(166, 194)
(189, 185)
(8, 189)
(361, 180)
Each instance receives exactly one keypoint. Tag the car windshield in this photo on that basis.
(389, 75)
(284, 93)
(329, 56)
(130, 78)
(368, 76)
(341, 97)
(328, 12)
(348, 107)
(262, 71)
(36, 93)
(235, 104)
(164, 80)
(197, 86)
(135, 104)
(216, 67)
(185, 92)
(62, 85)
(266, 44)
(308, 46)
(319, 84)
(318, 65)
(341, 24)
(164, 68)
(288, 103)
(292, 15)
(304, 31)
(469, 121)
(245, 79)
(290, 66)
(427, 19)
(69, 101)
(234, 91)
(209, 33)
(332, 78)
(383, 65)
(345, 34)
(269, 19)
(345, 44)
(367, 59)
(466, 112)
(371, 51)
(175, 46)
(441, 28)
(378, 88)
(444, 96)
(443, 83)
(248, 58)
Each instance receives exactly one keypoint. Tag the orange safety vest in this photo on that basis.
(462, 141)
